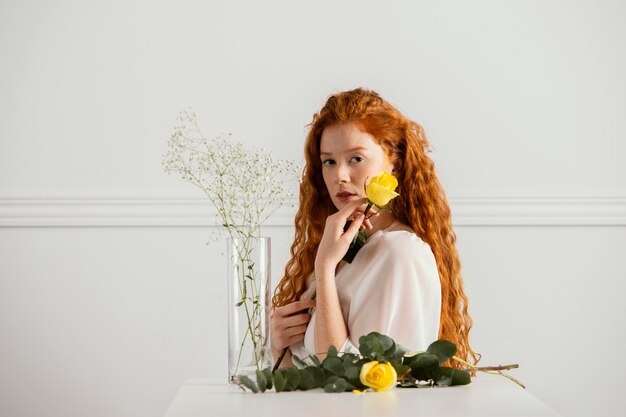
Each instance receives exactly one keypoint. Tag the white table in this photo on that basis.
(487, 395)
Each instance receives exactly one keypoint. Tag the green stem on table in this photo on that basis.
(494, 370)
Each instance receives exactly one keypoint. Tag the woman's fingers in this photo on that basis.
(354, 227)
(295, 330)
(296, 320)
(350, 208)
(294, 307)
(288, 326)
(367, 223)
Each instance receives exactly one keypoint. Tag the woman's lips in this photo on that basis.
(346, 197)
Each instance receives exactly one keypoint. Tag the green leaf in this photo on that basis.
(279, 380)
(268, 376)
(349, 359)
(352, 372)
(337, 385)
(443, 349)
(371, 348)
(261, 381)
(385, 342)
(307, 380)
(332, 352)
(245, 380)
(334, 364)
(315, 360)
(292, 377)
(424, 366)
(318, 375)
(398, 355)
(401, 370)
(239, 303)
(450, 377)
(299, 363)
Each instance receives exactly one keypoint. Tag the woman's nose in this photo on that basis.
(342, 173)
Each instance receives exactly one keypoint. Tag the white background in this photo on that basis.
(109, 295)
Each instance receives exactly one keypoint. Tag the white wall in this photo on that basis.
(109, 296)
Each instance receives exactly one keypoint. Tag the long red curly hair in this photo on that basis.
(422, 204)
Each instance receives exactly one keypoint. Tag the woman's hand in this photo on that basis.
(335, 242)
(289, 323)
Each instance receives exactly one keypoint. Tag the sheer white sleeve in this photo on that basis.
(398, 293)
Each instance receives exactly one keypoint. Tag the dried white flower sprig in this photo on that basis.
(246, 186)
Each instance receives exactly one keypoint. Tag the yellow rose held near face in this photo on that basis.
(381, 188)
(378, 376)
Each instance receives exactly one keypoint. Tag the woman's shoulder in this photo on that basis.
(398, 251)
(400, 237)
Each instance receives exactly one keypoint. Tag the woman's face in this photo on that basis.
(349, 158)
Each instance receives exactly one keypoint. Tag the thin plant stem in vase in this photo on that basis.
(245, 187)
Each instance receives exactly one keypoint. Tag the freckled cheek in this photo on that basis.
(325, 178)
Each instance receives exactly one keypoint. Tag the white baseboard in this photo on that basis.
(110, 212)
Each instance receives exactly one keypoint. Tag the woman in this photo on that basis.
(405, 282)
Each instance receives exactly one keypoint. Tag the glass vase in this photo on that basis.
(249, 266)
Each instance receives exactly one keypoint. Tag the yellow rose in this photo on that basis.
(378, 376)
(381, 188)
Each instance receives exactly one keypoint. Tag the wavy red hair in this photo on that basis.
(422, 204)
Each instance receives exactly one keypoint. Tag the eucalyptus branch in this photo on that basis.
(494, 370)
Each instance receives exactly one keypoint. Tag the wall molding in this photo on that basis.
(140, 212)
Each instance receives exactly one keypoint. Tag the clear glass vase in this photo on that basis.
(249, 266)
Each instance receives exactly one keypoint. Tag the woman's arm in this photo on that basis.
(330, 328)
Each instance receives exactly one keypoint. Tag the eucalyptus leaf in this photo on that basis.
(353, 372)
(268, 376)
(261, 381)
(279, 380)
(245, 380)
(385, 342)
(318, 375)
(292, 377)
(334, 364)
(401, 370)
(307, 380)
(338, 385)
(315, 360)
(371, 349)
(450, 376)
(349, 359)
(332, 352)
(443, 349)
(299, 363)
(389, 352)
(424, 366)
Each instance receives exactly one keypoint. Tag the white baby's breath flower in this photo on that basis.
(246, 186)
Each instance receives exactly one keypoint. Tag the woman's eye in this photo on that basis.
(328, 162)
(356, 159)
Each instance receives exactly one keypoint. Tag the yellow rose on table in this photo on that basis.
(378, 376)
(381, 188)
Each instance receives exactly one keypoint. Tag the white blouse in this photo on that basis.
(392, 286)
